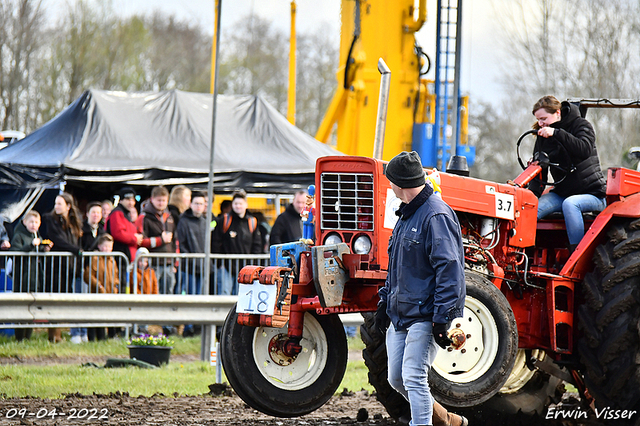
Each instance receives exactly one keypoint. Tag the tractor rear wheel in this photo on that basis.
(609, 320)
(485, 382)
(278, 385)
(527, 391)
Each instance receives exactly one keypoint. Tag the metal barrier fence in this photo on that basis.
(111, 273)
(61, 272)
(184, 273)
(101, 287)
(107, 295)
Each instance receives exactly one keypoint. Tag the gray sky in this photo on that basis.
(480, 61)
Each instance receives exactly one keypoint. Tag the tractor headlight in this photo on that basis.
(362, 245)
(332, 239)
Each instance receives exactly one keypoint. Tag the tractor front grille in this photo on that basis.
(346, 201)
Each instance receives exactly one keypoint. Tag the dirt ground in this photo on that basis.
(121, 409)
(220, 407)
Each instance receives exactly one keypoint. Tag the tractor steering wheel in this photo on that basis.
(543, 158)
(528, 132)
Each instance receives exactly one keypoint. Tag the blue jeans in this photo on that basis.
(79, 286)
(166, 278)
(410, 354)
(572, 208)
(188, 284)
(225, 282)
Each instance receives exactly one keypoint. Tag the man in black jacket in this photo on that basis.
(191, 233)
(235, 233)
(288, 226)
(569, 141)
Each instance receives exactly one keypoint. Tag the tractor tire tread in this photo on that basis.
(602, 260)
(617, 233)
(588, 327)
(609, 347)
(621, 299)
(591, 291)
(629, 245)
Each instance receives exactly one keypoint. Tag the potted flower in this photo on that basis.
(155, 350)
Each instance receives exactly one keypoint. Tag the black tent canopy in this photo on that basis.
(151, 138)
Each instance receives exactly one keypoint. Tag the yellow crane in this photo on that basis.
(373, 29)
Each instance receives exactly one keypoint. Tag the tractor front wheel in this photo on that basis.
(278, 384)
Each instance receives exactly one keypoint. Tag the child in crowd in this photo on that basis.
(102, 272)
(102, 275)
(143, 276)
(28, 273)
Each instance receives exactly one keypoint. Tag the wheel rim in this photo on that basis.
(521, 373)
(476, 356)
(300, 371)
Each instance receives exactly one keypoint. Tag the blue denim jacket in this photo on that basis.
(426, 264)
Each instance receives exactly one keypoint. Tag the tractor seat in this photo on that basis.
(585, 215)
(555, 221)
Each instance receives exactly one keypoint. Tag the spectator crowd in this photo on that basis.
(148, 236)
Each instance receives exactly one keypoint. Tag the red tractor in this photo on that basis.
(535, 314)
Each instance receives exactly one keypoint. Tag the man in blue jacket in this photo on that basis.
(425, 287)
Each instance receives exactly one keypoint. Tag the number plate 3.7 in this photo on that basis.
(505, 206)
(256, 298)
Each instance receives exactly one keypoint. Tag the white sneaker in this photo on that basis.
(76, 340)
(85, 338)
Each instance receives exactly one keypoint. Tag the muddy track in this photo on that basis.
(122, 409)
(220, 407)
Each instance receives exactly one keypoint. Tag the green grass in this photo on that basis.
(53, 381)
(38, 347)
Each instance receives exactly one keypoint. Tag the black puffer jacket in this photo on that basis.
(287, 228)
(191, 232)
(573, 147)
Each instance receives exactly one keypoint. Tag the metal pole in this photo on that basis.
(383, 103)
(214, 47)
(455, 137)
(205, 349)
(291, 101)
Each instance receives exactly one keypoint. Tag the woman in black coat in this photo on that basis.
(63, 226)
(568, 140)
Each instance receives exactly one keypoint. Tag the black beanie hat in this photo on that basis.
(127, 192)
(405, 170)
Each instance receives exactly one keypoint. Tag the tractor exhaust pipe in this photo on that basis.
(383, 103)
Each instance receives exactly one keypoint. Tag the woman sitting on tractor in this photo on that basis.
(568, 140)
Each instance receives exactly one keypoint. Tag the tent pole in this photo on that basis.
(207, 344)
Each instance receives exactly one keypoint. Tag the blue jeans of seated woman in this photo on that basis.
(572, 208)
(410, 354)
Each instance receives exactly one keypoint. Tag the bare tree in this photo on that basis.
(317, 61)
(574, 49)
(44, 68)
(180, 54)
(20, 36)
(255, 61)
